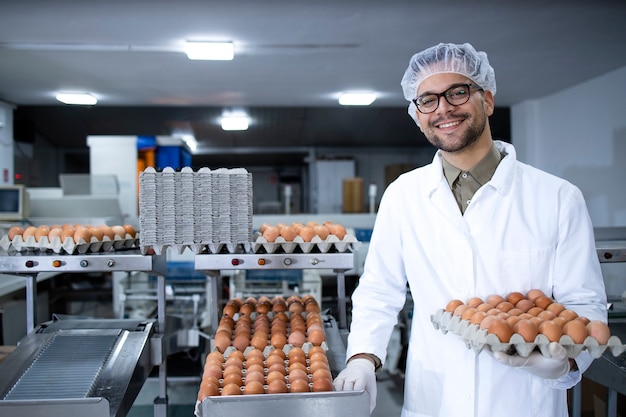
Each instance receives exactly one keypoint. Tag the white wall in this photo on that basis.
(580, 134)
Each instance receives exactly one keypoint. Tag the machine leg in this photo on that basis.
(160, 403)
(31, 303)
(577, 399)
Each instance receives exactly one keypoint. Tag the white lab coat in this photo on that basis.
(524, 229)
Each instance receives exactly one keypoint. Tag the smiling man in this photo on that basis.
(475, 222)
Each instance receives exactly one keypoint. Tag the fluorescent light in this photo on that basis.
(357, 99)
(77, 98)
(219, 51)
(235, 122)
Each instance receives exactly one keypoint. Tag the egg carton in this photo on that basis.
(68, 246)
(198, 248)
(478, 339)
(348, 243)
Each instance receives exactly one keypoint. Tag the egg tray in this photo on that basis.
(331, 244)
(306, 347)
(68, 246)
(200, 247)
(478, 339)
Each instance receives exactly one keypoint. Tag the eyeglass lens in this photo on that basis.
(455, 96)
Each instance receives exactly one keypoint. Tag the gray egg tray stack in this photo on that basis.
(208, 210)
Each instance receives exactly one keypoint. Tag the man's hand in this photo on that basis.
(552, 367)
(358, 375)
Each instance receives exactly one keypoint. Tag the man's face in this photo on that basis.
(453, 128)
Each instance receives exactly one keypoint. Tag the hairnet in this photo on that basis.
(447, 58)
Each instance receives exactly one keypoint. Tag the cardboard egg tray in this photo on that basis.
(331, 243)
(478, 339)
(69, 246)
(198, 248)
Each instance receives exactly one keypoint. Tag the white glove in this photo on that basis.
(553, 367)
(358, 375)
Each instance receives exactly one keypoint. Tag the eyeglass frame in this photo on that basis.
(443, 94)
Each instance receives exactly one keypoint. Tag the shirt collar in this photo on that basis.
(482, 171)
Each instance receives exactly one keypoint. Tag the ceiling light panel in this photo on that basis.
(84, 99)
(357, 99)
(218, 51)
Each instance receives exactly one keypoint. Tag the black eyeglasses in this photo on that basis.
(456, 95)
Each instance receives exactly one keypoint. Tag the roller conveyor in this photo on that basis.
(91, 367)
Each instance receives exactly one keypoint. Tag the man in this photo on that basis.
(474, 223)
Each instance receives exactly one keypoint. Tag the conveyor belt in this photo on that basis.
(66, 368)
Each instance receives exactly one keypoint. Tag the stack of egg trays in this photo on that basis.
(477, 339)
(197, 210)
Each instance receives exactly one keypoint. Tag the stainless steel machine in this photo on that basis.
(77, 366)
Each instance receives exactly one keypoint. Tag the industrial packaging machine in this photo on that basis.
(76, 366)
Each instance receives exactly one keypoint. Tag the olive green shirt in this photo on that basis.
(465, 183)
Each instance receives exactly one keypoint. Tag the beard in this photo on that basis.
(473, 131)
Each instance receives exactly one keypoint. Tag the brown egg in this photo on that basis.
(232, 378)
(337, 230)
(512, 320)
(297, 373)
(524, 305)
(533, 294)
(279, 367)
(276, 387)
(231, 389)
(306, 233)
(259, 341)
(232, 369)
(278, 340)
(484, 307)
(560, 321)
(556, 308)
(460, 309)
(475, 302)
(536, 320)
(546, 315)
(241, 341)
(322, 384)
(272, 359)
(543, 301)
(297, 338)
(515, 311)
(130, 230)
(264, 307)
(551, 330)
(254, 376)
(501, 329)
(274, 376)
(487, 321)
(452, 305)
(297, 365)
(321, 373)
(41, 231)
(235, 359)
(271, 233)
(68, 233)
(288, 233)
(255, 359)
(215, 355)
(505, 306)
(221, 341)
(468, 313)
(246, 309)
(583, 319)
(55, 232)
(535, 311)
(255, 367)
(107, 231)
(296, 307)
(568, 314)
(119, 231)
(15, 231)
(212, 369)
(316, 337)
(254, 388)
(599, 331)
(315, 349)
(299, 385)
(514, 297)
(576, 330)
(297, 354)
(527, 329)
(207, 390)
(96, 232)
(494, 300)
(316, 365)
(82, 236)
(477, 317)
(230, 310)
(321, 231)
